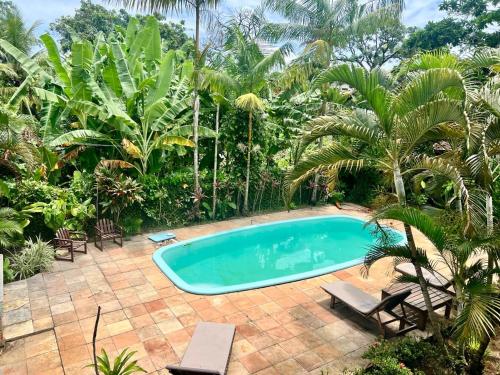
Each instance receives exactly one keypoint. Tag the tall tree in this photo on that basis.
(249, 67)
(220, 84)
(90, 19)
(389, 127)
(198, 7)
(323, 27)
(14, 29)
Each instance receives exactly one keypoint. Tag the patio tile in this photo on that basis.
(293, 346)
(242, 348)
(182, 309)
(64, 318)
(254, 362)
(14, 369)
(274, 354)
(309, 360)
(13, 352)
(169, 325)
(43, 362)
(18, 330)
(126, 339)
(40, 343)
(119, 327)
(155, 305)
(261, 341)
(71, 341)
(267, 323)
(290, 367)
(76, 355)
(162, 315)
(136, 310)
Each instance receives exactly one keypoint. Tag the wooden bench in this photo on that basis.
(415, 301)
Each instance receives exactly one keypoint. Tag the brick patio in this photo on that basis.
(284, 329)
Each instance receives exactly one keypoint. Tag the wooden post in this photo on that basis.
(94, 336)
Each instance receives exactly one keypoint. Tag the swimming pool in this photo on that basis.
(267, 254)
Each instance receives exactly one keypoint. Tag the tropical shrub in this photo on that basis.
(122, 365)
(36, 256)
(51, 207)
(117, 191)
(11, 228)
(8, 274)
(407, 356)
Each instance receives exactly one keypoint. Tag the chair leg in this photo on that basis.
(85, 248)
(332, 302)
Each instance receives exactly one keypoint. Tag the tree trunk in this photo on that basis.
(400, 191)
(249, 155)
(314, 196)
(489, 231)
(196, 113)
(214, 194)
(476, 362)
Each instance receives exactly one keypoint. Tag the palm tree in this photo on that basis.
(14, 30)
(15, 144)
(199, 7)
(386, 131)
(249, 68)
(249, 103)
(323, 26)
(219, 83)
(477, 300)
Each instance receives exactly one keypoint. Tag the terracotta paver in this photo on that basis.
(283, 329)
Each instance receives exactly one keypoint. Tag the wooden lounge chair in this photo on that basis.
(370, 307)
(105, 229)
(433, 278)
(208, 352)
(71, 241)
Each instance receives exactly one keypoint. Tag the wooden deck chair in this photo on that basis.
(105, 230)
(71, 241)
(370, 307)
(208, 352)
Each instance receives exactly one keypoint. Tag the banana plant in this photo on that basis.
(124, 91)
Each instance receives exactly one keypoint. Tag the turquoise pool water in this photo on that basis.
(267, 254)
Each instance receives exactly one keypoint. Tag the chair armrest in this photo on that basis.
(118, 229)
(97, 229)
(78, 235)
(62, 242)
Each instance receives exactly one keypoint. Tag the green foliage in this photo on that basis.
(122, 365)
(469, 24)
(117, 191)
(51, 207)
(407, 356)
(92, 19)
(11, 228)
(8, 273)
(35, 257)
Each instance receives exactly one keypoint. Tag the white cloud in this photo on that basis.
(419, 12)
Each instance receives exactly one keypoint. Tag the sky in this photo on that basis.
(417, 12)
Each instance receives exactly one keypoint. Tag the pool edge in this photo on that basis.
(181, 284)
